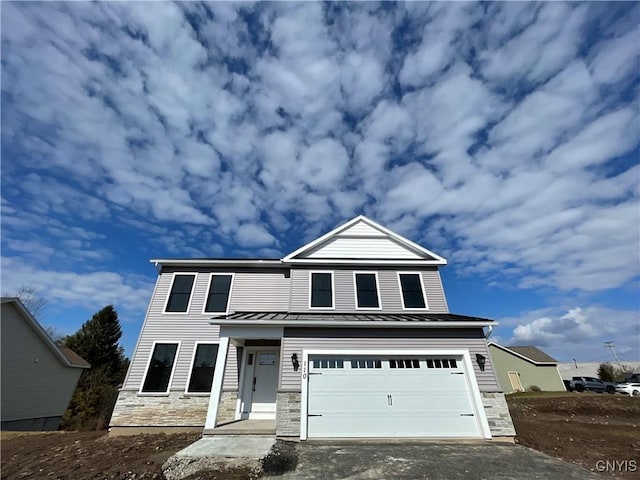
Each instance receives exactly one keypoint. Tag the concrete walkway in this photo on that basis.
(411, 460)
(245, 446)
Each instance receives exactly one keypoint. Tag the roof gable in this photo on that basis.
(65, 355)
(527, 352)
(361, 240)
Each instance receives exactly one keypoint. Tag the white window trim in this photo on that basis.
(193, 287)
(146, 370)
(424, 292)
(470, 376)
(355, 290)
(333, 290)
(206, 298)
(193, 359)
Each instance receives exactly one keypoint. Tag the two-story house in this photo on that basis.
(348, 336)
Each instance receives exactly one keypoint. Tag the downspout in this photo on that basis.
(489, 332)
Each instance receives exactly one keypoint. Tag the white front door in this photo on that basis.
(264, 384)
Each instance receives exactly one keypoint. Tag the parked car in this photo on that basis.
(631, 389)
(580, 384)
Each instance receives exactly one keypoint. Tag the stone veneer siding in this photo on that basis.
(498, 416)
(176, 409)
(288, 414)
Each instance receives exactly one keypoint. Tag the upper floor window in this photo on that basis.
(160, 368)
(180, 293)
(412, 290)
(204, 364)
(321, 290)
(218, 296)
(367, 290)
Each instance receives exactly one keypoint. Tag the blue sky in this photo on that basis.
(502, 136)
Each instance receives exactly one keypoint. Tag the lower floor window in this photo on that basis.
(160, 368)
(204, 364)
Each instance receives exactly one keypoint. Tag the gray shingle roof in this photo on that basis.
(532, 353)
(73, 357)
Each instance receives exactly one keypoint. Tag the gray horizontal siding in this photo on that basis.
(260, 291)
(390, 294)
(297, 339)
(253, 290)
(35, 382)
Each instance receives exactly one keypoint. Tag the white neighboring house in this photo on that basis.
(38, 377)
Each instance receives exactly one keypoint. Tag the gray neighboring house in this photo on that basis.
(520, 367)
(38, 377)
(348, 336)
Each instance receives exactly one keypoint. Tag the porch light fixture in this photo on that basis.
(295, 362)
(481, 359)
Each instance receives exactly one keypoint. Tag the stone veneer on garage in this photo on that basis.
(288, 414)
(498, 416)
(175, 409)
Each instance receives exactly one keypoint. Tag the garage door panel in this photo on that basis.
(427, 397)
(346, 424)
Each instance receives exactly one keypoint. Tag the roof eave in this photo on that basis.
(519, 355)
(40, 331)
(215, 262)
(362, 261)
(399, 238)
(365, 324)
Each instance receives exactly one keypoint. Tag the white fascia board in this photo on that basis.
(356, 261)
(505, 349)
(328, 324)
(218, 262)
(40, 331)
(399, 238)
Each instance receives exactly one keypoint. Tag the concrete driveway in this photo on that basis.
(413, 459)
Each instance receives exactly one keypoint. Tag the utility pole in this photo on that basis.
(613, 350)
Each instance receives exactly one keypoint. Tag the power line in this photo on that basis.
(613, 350)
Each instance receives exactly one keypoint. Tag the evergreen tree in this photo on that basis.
(94, 398)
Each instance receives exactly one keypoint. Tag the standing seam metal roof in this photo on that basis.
(353, 317)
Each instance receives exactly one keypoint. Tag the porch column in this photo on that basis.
(216, 387)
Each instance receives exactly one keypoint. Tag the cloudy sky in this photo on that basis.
(504, 137)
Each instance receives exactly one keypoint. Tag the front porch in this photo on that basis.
(259, 367)
(244, 427)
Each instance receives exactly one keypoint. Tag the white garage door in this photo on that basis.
(397, 396)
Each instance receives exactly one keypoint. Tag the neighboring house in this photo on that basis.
(38, 377)
(348, 336)
(521, 367)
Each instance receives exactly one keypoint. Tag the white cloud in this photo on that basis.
(251, 235)
(91, 290)
(617, 58)
(498, 138)
(579, 332)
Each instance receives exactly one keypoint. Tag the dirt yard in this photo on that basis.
(581, 428)
(587, 429)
